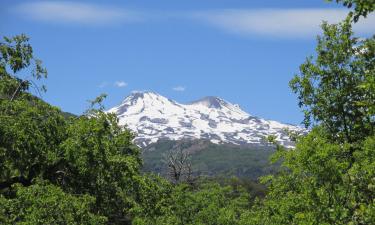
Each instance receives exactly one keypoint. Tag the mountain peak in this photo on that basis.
(153, 117)
(136, 95)
(211, 102)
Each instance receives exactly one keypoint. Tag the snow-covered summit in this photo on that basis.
(152, 117)
(211, 102)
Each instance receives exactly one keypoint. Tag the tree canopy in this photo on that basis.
(329, 178)
(88, 162)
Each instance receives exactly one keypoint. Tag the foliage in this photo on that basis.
(30, 133)
(208, 203)
(154, 199)
(318, 187)
(88, 156)
(329, 177)
(361, 7)
(16, 55)
(334, 89)
(101, 161)
(63, 169)
(43, 203)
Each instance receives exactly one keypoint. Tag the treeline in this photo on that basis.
(57, 169)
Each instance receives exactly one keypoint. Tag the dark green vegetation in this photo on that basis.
(209, 159)
(330, 177)
(56, 169)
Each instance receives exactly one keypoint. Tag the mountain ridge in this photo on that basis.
(154, 117)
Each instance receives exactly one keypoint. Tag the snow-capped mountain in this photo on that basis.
(153, 117)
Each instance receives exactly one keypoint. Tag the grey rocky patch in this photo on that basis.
(242, 121)
(212, 124)
(169, 130)
(260, 128)
(153, 120)
(230, 137)
(254, 118)
(159, 120)
(265, 127)
(143, 118)
(205, 117)
(247, 131)
(144, 129)
(186, 124)
(211, 102)
(189, 133)
(122, 110)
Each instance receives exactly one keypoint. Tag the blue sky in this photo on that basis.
(243, 51)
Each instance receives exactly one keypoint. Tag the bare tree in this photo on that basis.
(179, 165)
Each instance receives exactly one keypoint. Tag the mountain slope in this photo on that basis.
(209, 159)
(154, 117)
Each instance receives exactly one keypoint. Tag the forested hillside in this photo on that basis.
(209, 160)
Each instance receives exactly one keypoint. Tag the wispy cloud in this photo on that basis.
(77, 13)
(120, 84)
(279, 22)
(179, 88)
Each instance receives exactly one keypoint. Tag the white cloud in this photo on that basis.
(279, 22)
(120, 84)
(289, 23)
(179, 88)
(77, 13)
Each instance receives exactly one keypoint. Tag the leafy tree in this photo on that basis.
(208, 203)
(153, 201)
(331, 89)
(329, 177)
(30, 130)
(16, 55)
(85, 166)
(361, 7)
(100, 160)
(43, 203)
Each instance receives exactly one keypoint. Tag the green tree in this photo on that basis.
(44, 203)
(330, 89)
(329, 177)
(317, 187)
(99, 159)
(30, 130)
(206, 203)
(85, 166)
(16, 55)
(361, 7)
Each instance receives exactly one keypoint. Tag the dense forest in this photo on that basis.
(56, 168)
